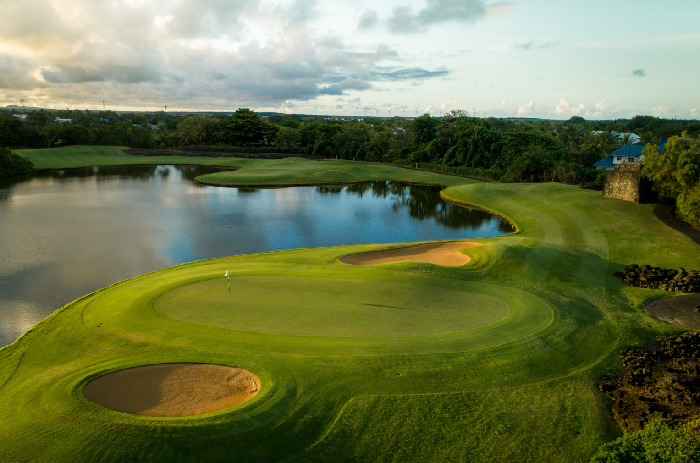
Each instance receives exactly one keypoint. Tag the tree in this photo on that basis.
(677, 169)
(602, 144)
(191, 129)
(51, 132)
(287, 136)
(247, 127)
(676, 173)
(13, 165)
(424, 128)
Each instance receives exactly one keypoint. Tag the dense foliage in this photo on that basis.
(12, 165)
(510, 150)
(676, 173)
(662, 441)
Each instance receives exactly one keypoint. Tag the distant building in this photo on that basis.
(633, 137)
(624, 155)
(64, 121)
(20, 116)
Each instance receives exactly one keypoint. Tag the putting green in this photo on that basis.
(330, 307)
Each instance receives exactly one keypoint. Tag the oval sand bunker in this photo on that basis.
(431, 253)
(173, 390)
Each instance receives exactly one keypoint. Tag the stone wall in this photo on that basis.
(626, 183)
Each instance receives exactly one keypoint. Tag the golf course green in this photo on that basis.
(494, 361)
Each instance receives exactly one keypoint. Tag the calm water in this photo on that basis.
(67, 233)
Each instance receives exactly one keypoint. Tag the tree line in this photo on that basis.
(501, 149)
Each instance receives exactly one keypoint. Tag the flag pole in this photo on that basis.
(228, 280)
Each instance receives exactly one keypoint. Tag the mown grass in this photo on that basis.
(302, 306)
(252, 172)
(520, 389)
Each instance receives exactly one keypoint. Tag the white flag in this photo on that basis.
(226, 273)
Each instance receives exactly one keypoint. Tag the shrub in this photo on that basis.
(660, 441)
(13, 165)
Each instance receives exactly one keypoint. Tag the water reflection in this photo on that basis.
(67, 233)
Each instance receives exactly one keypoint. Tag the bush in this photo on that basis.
(660, 441)
(13, 165)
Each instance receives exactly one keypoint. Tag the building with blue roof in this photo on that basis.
(629, 153)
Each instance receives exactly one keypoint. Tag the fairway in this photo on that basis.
(330, 307)
(496, 360)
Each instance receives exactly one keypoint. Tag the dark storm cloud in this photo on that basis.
(639, 73)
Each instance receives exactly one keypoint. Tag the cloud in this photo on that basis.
(502, 106)
(297, 13)
(349, 83)
(498, 9)
(183, 53)
(404, 20)
(368, 20)
(564, 108)
(695, 112)
(399, 74)
(62, 74)
(659, 111)
(206, 18)
(447, 103)
(601, 110)
(639, 73)
(532, 45)
(527, 109)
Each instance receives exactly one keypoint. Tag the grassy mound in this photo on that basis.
(521, 389)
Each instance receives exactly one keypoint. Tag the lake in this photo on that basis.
(70, 232)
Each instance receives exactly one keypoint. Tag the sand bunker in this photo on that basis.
(679, 311)
(172, 390)
(433, 253)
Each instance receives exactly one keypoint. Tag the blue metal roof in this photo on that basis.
(605, 162)
(629, 151)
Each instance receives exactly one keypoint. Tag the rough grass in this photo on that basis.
(521, 389)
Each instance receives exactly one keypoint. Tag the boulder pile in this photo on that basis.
(660, 384)
(646, 276)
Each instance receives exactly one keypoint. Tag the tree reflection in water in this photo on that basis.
(422, 202)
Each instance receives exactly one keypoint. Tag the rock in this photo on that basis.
(646, 276)
(663, 383)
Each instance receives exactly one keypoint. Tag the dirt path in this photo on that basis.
(173, 390)
(433, 253)
(679, 311)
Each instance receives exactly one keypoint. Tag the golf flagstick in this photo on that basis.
(228, 280)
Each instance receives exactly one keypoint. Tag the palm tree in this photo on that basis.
(627, 139)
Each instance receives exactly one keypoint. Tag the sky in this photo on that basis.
(524, 58)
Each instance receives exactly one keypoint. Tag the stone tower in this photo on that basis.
(626, 183)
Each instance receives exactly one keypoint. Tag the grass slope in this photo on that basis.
(520, 389)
